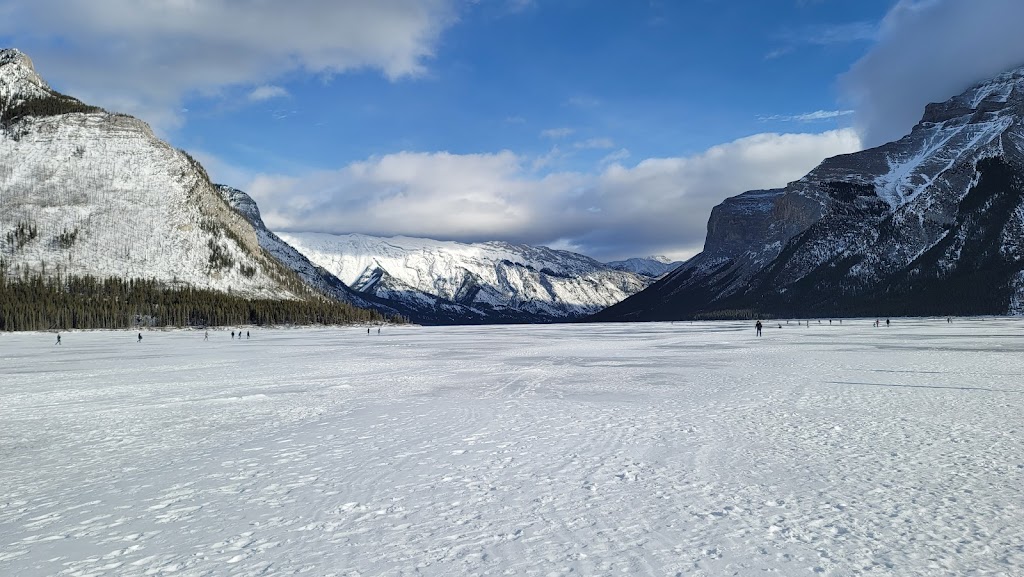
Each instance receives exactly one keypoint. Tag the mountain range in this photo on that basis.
(89, 193)
(931, 224)
(470, 283)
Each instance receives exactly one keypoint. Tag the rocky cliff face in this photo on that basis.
(929, 224)
(484, 282)
(87, 192)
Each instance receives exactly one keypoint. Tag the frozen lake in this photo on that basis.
(655, 449)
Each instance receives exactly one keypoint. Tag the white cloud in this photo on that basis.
(807, 116)
(928, 51)
(521, 5)
(152, 54)
(557, 133)
(267, 92)
(582, 102)
(840, 33)
(824, 35)
(658, 206)
(595, 144)
(617, 156)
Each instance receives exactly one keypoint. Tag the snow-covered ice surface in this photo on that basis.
(655, 449)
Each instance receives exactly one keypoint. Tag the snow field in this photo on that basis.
(633, 449)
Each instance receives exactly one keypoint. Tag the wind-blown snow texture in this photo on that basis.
(482, 282)
(104, 197)
(912, 226)
(685, 449)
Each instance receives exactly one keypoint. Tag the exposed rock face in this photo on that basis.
(440, 281)
(87, 192)
(905, 228)
(18, 79)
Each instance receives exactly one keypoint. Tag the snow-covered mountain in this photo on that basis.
(930, 224)
(87, 192)
(652, 266)
(313, 275)
(482, 282)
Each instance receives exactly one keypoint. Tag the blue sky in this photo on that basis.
(658, 79)
(610, 128)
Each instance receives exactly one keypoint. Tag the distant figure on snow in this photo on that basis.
(232, 335)
(758, 327)
(206, 337)
(367, 330)
(140, 337)
(886, 322)
(246, 335)
(378, 330)
(780, 325)
(58, 339)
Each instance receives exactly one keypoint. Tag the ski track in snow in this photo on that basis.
(654, 449)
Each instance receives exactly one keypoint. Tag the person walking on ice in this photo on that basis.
(232, 335)
(206, 337)
(58, 339)
(758, 327)
(140, 338)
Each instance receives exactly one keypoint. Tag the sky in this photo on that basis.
(610, 128)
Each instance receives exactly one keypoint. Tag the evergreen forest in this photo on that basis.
(59, 303)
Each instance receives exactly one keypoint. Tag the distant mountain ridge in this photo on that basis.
(652, 266)
(476, 283)
(930, 224)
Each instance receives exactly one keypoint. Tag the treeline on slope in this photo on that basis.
(37, 303)
(53, 105)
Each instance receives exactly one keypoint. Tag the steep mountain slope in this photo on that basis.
(311, 274)
(929, 224)
(652, 266)
(485, 282)
(84, 192)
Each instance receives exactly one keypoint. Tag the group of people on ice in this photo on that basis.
(758, 326)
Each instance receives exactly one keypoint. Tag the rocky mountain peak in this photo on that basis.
(18, 77)
(1005, 91)
(929, 224)
(15, 56)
